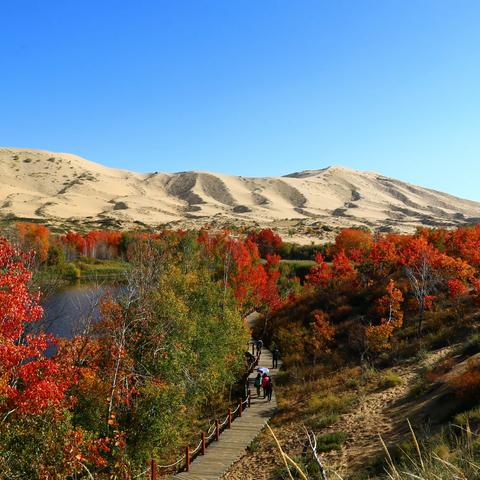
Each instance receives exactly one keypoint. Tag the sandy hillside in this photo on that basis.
(63, 188)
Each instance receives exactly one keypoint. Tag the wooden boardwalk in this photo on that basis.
(219, 456)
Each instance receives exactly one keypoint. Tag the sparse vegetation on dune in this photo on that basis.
(71, 193)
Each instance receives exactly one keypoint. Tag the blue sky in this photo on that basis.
(248, 87)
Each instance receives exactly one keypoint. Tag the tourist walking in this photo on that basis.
(259, 347)
(269, 388)
(264, 384)
(275, 357)
(258, 383)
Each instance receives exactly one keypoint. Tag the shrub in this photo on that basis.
(331, 441)
(470, 417)
(389, 380)
(254, 445)
(55, 256)
(322, 421)
(72, 272)
(331, 404)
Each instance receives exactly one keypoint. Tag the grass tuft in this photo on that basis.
(389, 380)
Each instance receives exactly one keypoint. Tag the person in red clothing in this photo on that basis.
(269, 388)
(264, 385)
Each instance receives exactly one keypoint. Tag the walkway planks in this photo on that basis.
(219, 456)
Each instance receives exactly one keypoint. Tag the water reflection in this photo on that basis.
(70, 311)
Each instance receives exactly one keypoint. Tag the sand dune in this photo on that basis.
(63, 188)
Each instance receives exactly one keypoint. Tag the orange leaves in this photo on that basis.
(343, 269)
(465, 243)
(384, 255)
(456, 288)
(389, 308)
(378, 336)
(356, 244)
(254, 284)
(322, 330)
(321, 274)
(95, 244)
(35, 237)
(320, 334)
(341, 274)
(75, 242)
(389, 305)
(79, 450)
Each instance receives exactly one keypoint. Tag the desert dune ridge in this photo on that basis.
(61, 188)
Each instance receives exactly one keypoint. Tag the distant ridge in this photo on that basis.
(61, 188)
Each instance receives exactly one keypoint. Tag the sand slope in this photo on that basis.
(62, 187)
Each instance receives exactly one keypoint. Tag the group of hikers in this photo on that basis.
(263, 380)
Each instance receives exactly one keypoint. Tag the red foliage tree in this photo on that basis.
(29, 381)
(356, 244)
(34, 237)
(343, 270)
(321, 274)
(384, 255)
(456, 288)
(267, 240)
(389, 308)
(465, 243)
(74, 243)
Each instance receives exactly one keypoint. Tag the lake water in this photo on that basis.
(69, 311)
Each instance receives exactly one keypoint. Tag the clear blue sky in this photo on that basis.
(260, 87)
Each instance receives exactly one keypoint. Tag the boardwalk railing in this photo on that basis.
(211, 435)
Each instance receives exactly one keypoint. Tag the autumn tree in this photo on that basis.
(419, 259)
(34, 237)
(389, 309)
(355, 243)
(464, 242)
(321, 274)
(36, 432)
(383, 256)
(338, 275)
(428, 270)
(74, 244)
(267, 240)
(319, 334)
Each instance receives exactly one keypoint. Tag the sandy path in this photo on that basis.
(381, 412)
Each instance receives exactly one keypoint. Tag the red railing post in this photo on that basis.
(240, 410)
(204, 443)
(217, 430)
(187, 458)
(153, 469)
(249, 393)
(229, 424)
